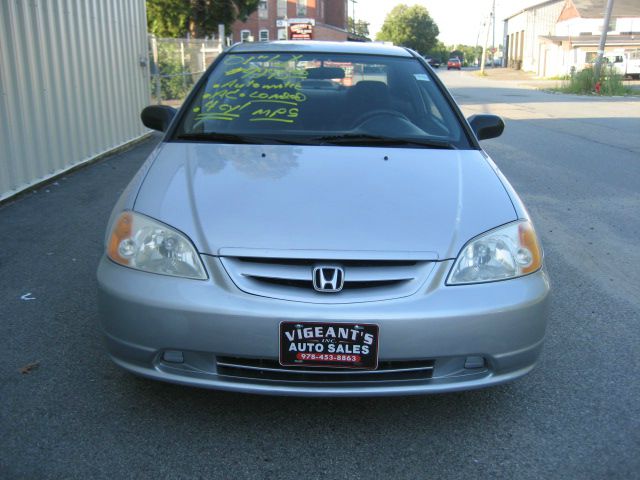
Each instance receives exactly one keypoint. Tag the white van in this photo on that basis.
(625, 63)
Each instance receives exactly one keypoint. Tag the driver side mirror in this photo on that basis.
(157, 117)
(486, 126)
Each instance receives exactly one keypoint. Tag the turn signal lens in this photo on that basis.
(529, 244)
(139, 242)
(507, 252)
(121, 231)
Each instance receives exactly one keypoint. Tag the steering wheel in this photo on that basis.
(382, 112)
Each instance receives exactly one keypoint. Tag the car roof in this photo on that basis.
(304, 46)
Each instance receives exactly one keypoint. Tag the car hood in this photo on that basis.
(423, 203)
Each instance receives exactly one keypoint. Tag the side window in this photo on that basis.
(301, 8)
(428, 102)
(263, 9)
(438, 120)
(376, 73)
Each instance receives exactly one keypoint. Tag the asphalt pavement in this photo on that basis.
(67, 412)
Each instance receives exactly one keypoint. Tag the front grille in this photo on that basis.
(346, 263)
(292, 278)
(271, 370)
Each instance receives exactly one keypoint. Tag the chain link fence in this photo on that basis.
(176, 65)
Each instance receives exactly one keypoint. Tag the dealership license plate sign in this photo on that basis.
(338, 345)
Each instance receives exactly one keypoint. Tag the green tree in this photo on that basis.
(359, 27)
(440, 52)
(200, 18)
(467, 53)
(457, 54)
(410, 27)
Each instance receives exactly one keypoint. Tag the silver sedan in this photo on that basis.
(320, 220)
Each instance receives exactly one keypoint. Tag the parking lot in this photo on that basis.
(68, 412)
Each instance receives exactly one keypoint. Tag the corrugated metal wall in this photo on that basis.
(540, 21)
(534, 22)
(71, 84)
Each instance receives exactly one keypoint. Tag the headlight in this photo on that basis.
(506, 252)
(139, 242)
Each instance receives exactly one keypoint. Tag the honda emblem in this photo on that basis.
(328, 279)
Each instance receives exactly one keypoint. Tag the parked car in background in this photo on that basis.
(352, 240)
(454, 63)
(433, 62)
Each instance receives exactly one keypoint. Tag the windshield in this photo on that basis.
(315, 98)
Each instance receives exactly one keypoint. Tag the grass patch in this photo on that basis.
(558, 77)
(583, 83)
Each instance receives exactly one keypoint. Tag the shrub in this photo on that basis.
(175, 80)
(583, 82)
(612, 83)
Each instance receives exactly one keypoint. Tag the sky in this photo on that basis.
(459, 21)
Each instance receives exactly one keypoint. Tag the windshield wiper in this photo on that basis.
(354, 139)
(366, 139)
(216, 137)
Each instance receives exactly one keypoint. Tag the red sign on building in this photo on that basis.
(301, 31)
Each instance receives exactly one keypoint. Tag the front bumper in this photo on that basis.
(148, 319)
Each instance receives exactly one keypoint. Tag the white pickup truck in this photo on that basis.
(625, 63)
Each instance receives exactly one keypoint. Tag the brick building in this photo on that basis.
(295, 19)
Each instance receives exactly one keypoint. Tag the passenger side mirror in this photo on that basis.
(157, 117)
(486, 126)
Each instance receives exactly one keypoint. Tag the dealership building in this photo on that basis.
(295, 20)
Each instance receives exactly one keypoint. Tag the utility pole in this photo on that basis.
(353, 14)
(493, 41)
(603, 41)
(484, 50)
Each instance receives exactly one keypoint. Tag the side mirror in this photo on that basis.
(486, 126)
(157, 117)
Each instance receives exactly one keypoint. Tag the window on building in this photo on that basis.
(282, 8)
(245, 36)
(301, 8)
(264, 35)
(263, 9)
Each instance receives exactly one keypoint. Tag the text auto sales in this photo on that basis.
(329, 339)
